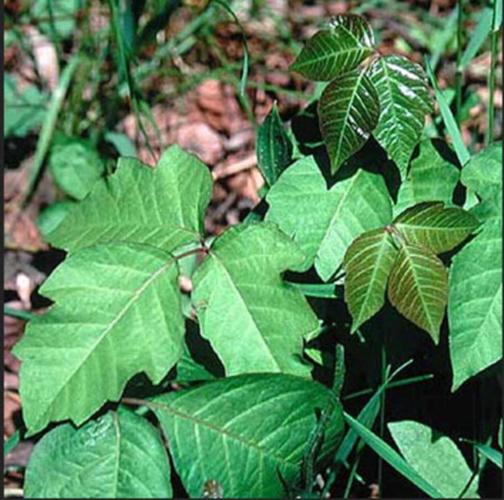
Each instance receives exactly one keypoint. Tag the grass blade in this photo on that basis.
(461, 150)
(49, 125)
(492, 454)
(387, 453)
(445, 38)
(494, 52)
(245, 66)
(391, 385)
(480, 34)
(17, 313)
(12, 442)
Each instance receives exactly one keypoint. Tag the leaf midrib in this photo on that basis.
(347, 114)
(318, 59)
(137, 293)
(415, 277)
(383, 248)
(223, 432)
(339, 205)
(238, 291)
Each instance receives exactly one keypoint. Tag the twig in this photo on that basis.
(227, 170)
(13, 492)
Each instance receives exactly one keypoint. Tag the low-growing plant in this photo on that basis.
(231, 371)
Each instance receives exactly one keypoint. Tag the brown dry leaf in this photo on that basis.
(244, 183)
(44, 55)
(14, 180)
(12, 404)
(203, 141)
(21, 232)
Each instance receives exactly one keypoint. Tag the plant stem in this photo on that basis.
(353, 472)
(193, 251)
(459, 71)
(491, 76)
(382, 414)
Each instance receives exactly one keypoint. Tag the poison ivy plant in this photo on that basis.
(436, 458)
(119, 455)
(248, 432)
(103, 352)
(401, 257)
(404, 102)
(238, 289)
(348, 111)
(340, 47)
(163, 206)
(223, 342)
(274, 148)
(389, 97)
(423, 181)
(344, 211)
(475, 307)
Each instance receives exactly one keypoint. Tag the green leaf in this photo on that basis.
(434, 457)
(418, 288)
(63, 14)
(348, 110)
(345, 211)
(368, 262)
(24, 110)
(247, 432)
(392, 457)
(475, 304)
(121, 142)
(162, 207)
(274, 148)
(492, 454)
(120, 455)
(404, 102)
(50, 218)
(356, 25)
(434, 227)
(117, 314)
(346, 42)
(254, 321)
(483, 173)
(75, 165)
(423, 182)
(319, 290)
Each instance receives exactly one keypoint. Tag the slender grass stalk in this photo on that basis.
(17, 313)
(353, 471)
(125, 73)
(494, 52)
(461, 150)
(399, 383)
(384, 376)
(459, 75)
(12, 442)
(49, 125)
(245, 68)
